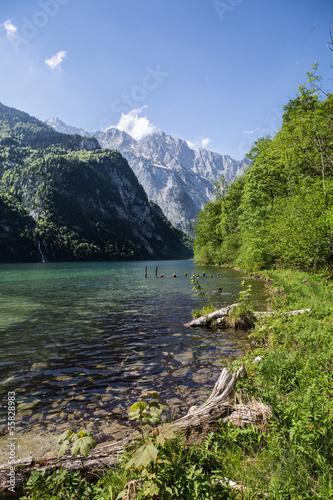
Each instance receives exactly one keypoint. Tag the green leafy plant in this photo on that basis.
(144, 451)
(209, 306)
(196, 287)
(82, 442)
(64, 485)
(241, 316)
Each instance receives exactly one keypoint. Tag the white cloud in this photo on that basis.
(205, 142)
(11, 30)
(137, 127)
(55, 60)
(200, 143)
(191, 144)
(250, 132)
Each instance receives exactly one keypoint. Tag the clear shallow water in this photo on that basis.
(80, 341)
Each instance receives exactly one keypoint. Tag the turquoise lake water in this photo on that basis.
(80, 341)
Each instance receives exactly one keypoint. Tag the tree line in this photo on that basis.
(279, 213)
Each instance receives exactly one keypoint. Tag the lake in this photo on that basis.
(80, 341)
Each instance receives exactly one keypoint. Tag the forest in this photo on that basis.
(63, 198)
(279, 213)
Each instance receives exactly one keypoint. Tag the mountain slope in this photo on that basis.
(179, 179)
(61, 127)
(63, 194)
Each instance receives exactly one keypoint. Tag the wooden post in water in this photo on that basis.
(156, 271)
(146, 272)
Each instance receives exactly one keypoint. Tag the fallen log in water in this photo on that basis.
(199, 421)
(204, 320)
(219, 314)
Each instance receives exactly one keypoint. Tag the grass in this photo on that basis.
(196, 313)
(293, 459)
(239, 318)
(295, 379)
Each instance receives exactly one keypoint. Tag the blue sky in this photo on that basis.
(216, 73)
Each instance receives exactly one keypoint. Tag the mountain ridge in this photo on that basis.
(179, 179)
(64, 196)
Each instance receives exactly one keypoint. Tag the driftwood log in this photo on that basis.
(289, 313)
(220, 314)
(207, 318)
(199, 421)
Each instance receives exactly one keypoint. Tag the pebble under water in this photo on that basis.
(79, 342)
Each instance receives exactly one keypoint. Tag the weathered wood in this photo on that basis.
(199, 421)
(220, 405)
(99, 458)
(204, 320)
(219, 314)
(289, 313)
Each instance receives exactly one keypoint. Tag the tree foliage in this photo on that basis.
(280, 212)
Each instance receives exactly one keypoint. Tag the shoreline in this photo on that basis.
(272, 367)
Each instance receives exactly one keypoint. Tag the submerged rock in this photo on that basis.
(38, 366)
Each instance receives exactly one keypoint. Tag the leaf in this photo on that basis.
(134, 415)
(75, 448)
(160, 439)
(87, 442)
(139, 441)
(130, 463)
(121, 494)
(73, 437)
(152, 490)
(154, 404)
(63, 447)
(65, 435)
(83, 445)
(90, 441)
(143, 456)
(155, 414)
(164, 461)
(84, 432)
(150, 454)
(139, 405)
(167, 432)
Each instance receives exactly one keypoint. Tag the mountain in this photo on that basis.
(63, 197)
(179, 179)
(61, 127)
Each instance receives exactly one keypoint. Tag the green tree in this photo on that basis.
(280, 211)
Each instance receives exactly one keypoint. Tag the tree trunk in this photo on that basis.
(204, 320)
(199, 421)
(222, 313)
(289, 313)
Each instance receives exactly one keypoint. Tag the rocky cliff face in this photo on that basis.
(68, 198)
(61, 127)
(179, 179)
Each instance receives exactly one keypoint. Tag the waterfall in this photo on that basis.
(41, 253)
